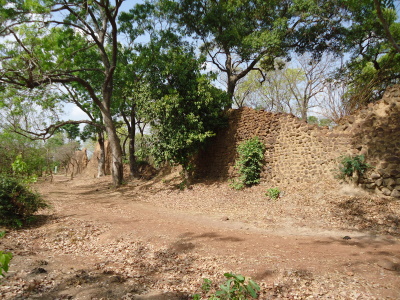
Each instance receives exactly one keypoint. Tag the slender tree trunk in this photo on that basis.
(132, 136)
(116, 150)
(230, 90)
(124, 146)
(304, 109)
(304, 114)
(132, 156)
(102, 156)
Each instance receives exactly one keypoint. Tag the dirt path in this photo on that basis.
(150, 241)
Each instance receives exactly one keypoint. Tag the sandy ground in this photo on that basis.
(149, 240)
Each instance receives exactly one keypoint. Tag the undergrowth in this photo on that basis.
(236, 287)
(18, 202)
(249, 163)
(349, 165)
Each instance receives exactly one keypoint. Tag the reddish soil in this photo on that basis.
(149, 240)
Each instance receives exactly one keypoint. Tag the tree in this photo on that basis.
(268, 91)
(372, 39)
(313, 74)
(40, 35)
(185, 107)
(292, 88)
(237, 35)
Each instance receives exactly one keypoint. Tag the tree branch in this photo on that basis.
(385, 25)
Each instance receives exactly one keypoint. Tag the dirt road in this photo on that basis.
(148, 240)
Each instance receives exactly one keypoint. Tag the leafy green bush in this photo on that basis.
(273, 193)
(18, 202)
(352, 164)
(249, 163)
(236, 287)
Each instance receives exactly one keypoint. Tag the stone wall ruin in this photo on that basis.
(300, 152)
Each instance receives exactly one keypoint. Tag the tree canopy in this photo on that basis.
(87, 53)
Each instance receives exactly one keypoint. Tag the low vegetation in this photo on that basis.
(18, 202)
(273, 193)
(249, 163)
(236, 287)
(350, 165)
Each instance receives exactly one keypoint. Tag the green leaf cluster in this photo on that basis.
(352, 164)
(18, 202)
(5, 258)
(249, 162)
(236, 287)
(273, 193)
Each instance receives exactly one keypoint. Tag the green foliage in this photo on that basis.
(236, 287)
(20, 170)
(273, 193)
(72, 130)
(319, 122)
(375, 62)
(143, 148)
(18, 202)
(249, 163)
(33, 155)
(352, 164)
(188, 108)
(5, 258)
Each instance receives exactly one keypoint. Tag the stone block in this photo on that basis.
(386, 191)
(389, 182)
(375, 175)
(395, 193)
(379, 182)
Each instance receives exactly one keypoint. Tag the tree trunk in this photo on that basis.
(132, 135)
(132, 156)
(102, 157)
(230, 90)
(304, 114)
(116, 150)
(304, 108)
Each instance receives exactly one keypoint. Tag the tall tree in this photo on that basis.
(291, 87)
(236, 35)
(185, 108)
(68, 42)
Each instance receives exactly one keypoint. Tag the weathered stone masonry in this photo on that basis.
(299, 152)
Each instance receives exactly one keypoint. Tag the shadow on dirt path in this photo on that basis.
(133, 243)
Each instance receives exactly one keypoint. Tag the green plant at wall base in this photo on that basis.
(352, 164)
(273, 193)
(249, 162)
(236, 287)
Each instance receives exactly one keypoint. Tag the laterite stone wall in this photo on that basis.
(299, 152)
